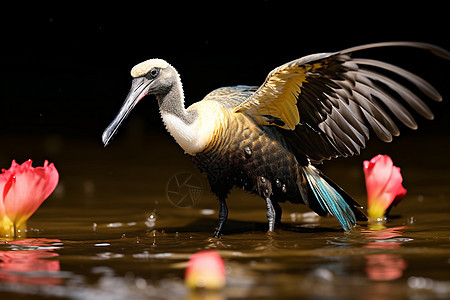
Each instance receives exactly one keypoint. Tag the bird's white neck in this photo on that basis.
(183, 124)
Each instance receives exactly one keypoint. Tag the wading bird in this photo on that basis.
(266, 139)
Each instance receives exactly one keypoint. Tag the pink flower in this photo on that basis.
(383, 184)
(22, 190)
(205, 270)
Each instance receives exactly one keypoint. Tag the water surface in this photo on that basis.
(118, 226)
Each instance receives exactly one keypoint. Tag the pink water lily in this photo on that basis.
(383, 184)
(23, 188)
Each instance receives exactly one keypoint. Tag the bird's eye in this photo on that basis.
(153, 73)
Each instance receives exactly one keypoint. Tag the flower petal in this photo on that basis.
(396, 189)
(4, 178)
(377, 174)
(384, 185)
(49, 172)
(27, 188)
(394, 185)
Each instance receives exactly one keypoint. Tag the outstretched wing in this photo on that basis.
(327, 102)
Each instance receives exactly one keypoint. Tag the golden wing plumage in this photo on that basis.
(327, 102)
(277, 98)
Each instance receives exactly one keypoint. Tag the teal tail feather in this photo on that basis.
(332, 199)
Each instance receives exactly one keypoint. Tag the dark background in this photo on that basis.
(65, 70)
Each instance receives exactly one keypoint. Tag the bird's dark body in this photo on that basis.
(253, 157)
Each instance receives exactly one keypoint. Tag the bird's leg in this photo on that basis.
(223, 214)
(278, 212)
(271, 215)
(265, 190)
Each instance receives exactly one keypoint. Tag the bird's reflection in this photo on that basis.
(30, 261)
(385, 266)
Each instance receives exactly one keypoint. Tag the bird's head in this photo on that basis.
(153, 76)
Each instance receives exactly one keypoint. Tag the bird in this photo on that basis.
(269, 139)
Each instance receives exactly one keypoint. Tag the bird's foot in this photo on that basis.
(217, 234)
(223, 215)
(270, 233)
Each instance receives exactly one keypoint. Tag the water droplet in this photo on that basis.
(283, 188)
(278, 182)
(263, 180)
(151, 220)
(247, 150)
(154, 233)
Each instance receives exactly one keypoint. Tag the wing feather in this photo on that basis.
(412, 99)
(354, 118)
(396, 108)
(345, 126)
(325, 103)
(423, 85)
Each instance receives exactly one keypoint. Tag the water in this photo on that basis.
(125, 219)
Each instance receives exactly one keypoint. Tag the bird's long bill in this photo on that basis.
(137, 91)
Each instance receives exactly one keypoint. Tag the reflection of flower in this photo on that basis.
(30, 263)
(22, 190)
(383, 184)
(385, 234)
(385, 266)
(205, 270)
